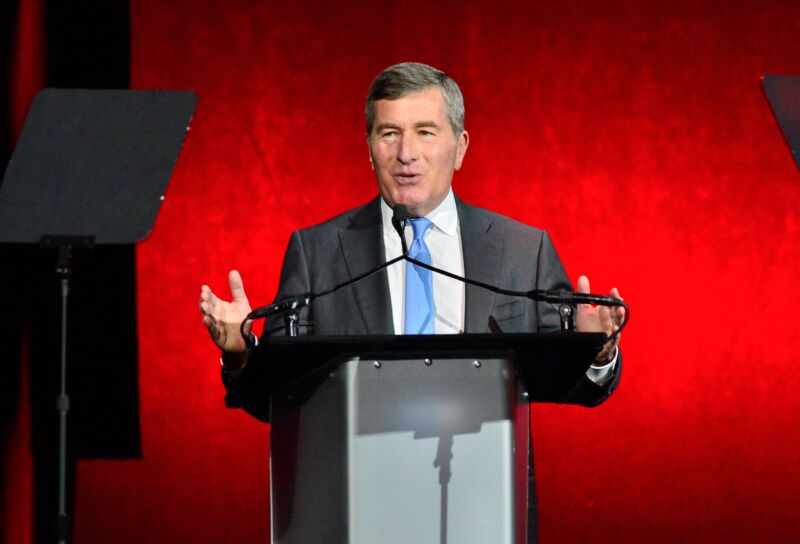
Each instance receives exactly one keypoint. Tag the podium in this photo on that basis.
(396, 439)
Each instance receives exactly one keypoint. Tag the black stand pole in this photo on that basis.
(64, 271)
(62, 404)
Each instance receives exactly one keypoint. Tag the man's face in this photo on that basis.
(413, 150)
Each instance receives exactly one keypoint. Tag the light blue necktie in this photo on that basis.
(420, 313)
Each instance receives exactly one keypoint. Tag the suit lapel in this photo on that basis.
(481, 247)
(363, 250)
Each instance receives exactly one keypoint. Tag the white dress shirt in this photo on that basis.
(443, 239)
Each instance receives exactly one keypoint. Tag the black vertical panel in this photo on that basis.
(11, 274)
(8, 17)
(88, 44)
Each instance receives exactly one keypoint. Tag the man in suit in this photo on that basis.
(416, 139)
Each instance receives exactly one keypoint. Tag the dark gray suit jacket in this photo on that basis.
(497, 250)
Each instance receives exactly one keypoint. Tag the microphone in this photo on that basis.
(562, 296)
(399, 218)
(290, 303)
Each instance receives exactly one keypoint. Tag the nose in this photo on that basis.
(407, 151)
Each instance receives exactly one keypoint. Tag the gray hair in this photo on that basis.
(409, 77)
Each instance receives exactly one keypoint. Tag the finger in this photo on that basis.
(207, 309)
(619, 314)
(619, 311)
(208, 295)
(204, 293)
(583, 285)
(237, 286)
(606, 320)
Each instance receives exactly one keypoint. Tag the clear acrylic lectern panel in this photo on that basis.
(403, 450)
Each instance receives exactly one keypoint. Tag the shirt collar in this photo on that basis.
(444, 217)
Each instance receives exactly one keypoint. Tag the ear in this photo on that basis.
(461, 148)
(369, 148)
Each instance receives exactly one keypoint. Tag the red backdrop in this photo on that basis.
(636, 132)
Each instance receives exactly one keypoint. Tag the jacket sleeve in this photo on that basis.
(244, 389)
(551, 275)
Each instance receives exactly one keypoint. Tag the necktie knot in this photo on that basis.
(420, 226)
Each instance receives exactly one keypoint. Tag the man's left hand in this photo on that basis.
(592, 318)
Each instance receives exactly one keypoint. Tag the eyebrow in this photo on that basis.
(384, 126)
(421, 124)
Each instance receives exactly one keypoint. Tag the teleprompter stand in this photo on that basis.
(783, 94)
(407, 438)
(91, 167)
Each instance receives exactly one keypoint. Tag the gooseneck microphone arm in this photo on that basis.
(553, 296)
(295, 302)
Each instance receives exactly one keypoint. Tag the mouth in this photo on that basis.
(407, 178)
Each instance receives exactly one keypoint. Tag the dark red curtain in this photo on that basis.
(23, 62)
(635, 132)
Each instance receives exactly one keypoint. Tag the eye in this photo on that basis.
(425, 132)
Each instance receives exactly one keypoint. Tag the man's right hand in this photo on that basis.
(224, 319)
